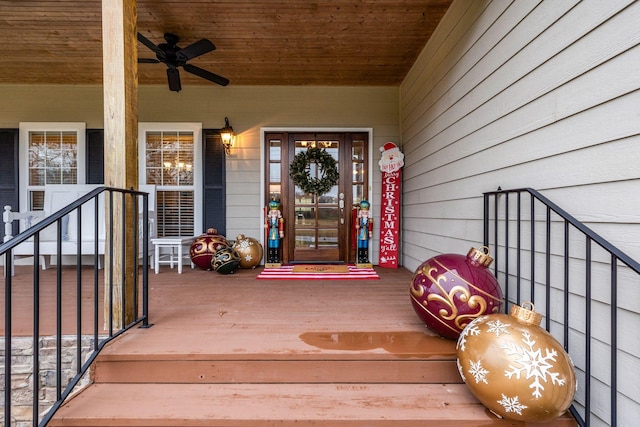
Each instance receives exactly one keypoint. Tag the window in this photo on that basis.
(50, 153)
(167, 156)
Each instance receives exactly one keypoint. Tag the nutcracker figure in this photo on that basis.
(364, 227)
(274, 223)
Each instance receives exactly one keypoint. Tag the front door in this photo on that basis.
(318, 227)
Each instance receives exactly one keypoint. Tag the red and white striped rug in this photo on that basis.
(317, 272)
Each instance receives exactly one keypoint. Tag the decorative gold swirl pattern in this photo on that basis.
(416, 289)
(201, 245)
(447, 299)
(471, 285)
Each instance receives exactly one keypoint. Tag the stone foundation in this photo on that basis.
(22, 373)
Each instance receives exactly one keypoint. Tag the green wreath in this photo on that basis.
(299, 171)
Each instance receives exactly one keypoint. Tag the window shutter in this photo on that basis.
(214, 177)
(9, 174)
(94, 164)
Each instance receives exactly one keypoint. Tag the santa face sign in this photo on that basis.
(392, 159)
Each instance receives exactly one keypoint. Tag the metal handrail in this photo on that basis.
(139, 316)
(502, 218)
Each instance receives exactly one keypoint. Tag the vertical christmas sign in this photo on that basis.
(391, 165)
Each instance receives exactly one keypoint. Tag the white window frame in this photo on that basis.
(196, 128)
(25, 129)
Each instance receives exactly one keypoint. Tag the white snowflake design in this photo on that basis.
(470, 329)
(478, 372)
(512, 404)
(244, 244)
(498, 328)
(533, 364)
(248, 257)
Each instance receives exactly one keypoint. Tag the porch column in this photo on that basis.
(120, 85)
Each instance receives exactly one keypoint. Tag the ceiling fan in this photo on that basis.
(173, 56)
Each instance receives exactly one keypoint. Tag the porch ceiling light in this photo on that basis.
(227, 135)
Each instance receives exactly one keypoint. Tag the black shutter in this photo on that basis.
(214, 177)
(9, 189)
(94, 164)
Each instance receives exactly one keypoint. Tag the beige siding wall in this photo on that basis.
(249, 109)
(541, 94)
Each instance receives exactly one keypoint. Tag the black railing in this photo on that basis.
(134, 209)
(559, 274)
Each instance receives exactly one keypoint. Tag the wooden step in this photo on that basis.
(257, 405)
(233, 352)
(363, 357)
(270, 370)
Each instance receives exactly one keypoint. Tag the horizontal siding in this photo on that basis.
(516, 125)
(540, 94)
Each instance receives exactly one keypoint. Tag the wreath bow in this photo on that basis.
(299, 171)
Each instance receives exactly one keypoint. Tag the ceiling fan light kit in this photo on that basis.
(173, 57)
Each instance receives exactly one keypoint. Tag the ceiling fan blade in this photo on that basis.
(147, 61)
(148, 43)
(173, 76)
(206, 74)
(196, 49)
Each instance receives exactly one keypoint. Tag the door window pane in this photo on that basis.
(305, 239)
(358, 170)
(275, 150)
(274, 166)
(358, 193)
(328, 238)
(275, 192)
(328, 217)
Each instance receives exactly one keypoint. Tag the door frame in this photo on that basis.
(319, 129)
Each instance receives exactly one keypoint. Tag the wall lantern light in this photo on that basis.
(226, 134)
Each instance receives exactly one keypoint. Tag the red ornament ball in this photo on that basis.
(449, 291)
(205, 246)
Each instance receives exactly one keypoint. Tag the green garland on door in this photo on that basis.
(299, 171)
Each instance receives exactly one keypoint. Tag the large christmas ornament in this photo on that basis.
(449, 291)
(249, 250)
(225, 261)
(515, 367)
(205, 246)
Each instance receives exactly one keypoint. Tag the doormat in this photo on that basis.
(317, 272)
(320, 268)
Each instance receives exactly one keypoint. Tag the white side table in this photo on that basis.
(175, 245)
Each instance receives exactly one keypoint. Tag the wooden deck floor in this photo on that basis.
(198, 300)
(266, 352)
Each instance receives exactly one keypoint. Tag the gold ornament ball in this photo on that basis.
(516, 368)
(249, 250)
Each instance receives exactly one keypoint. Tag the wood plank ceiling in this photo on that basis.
(262, 42)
